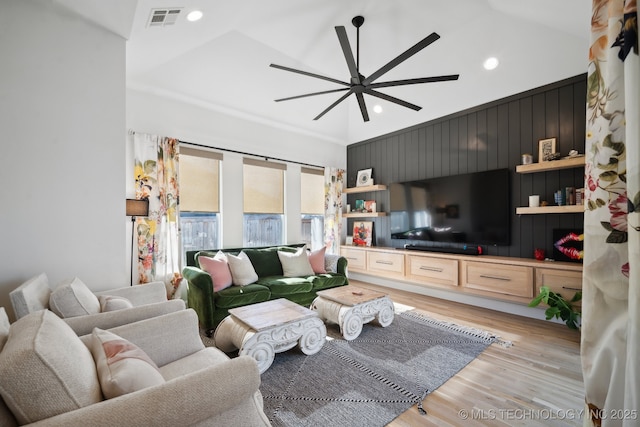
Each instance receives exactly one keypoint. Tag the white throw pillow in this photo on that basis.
(73, 298)
(295, 264)
(113, 303)
(122, 366)
(45, 369)
(242, 270)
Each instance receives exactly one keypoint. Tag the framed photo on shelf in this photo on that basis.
(370, 205)
(545, 148)
(362, 233)
(364, 178)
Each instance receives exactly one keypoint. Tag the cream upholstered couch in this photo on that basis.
(50, 377)
(82, 309)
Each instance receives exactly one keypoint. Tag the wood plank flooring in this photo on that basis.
(535, 382)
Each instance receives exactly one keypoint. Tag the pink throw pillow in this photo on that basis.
(218, 268)
(316, 258)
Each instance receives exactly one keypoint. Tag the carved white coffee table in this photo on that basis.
(351, 307)
(264, 329)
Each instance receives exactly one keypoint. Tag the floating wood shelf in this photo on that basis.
(573, 162)
(550, 209)
(364, 189)
(363, 214)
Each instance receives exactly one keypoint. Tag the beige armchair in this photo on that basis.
(49, 377)
(81, 309)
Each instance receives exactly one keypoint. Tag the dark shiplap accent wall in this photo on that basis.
(490, 136)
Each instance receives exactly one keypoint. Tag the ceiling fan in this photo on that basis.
(360, 84)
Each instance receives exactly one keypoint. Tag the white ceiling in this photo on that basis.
(222, 61)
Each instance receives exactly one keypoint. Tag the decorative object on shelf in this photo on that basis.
(544, 203)
(568, 244)
(348, 208)
(534, 201)
(349, 241)
(359, 206)
(551, 156)
(363, 233)
(572, 154)
(570, 195)
(527, 159)
(539, 254)
(580, 196)
(370, 206)
(546, 147)
(364, 178)
(559, 307)
(559, 198)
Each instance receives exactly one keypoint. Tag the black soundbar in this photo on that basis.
(466, 249)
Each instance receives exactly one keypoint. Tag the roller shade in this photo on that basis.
(263, 187)
(312, 191)
(199, 180)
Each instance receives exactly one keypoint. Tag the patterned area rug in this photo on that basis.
(371, 380)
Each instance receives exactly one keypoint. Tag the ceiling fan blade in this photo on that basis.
(402, 57)
(348, 54)
(342, 98)
(392, 99)
(363, 107)
(415, 81)
(306, 73)
(312, 94)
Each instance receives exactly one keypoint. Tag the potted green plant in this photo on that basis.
(559, 307)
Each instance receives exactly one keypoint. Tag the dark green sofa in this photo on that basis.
(212, 306)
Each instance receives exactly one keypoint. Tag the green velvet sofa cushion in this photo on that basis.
(265, 261)
(284, 286)
(237, 296)
(327, 281)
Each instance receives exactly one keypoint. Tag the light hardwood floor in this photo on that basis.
(535, 382)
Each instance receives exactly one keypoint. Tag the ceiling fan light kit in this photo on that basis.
(359, 84)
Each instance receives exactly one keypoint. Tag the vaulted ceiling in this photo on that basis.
(222, 61)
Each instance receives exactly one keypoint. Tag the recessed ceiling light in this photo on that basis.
(491, 63)
(377, 108)
(194, 15)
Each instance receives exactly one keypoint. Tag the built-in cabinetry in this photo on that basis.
(364, 189)
(502, 278)
(572, 162)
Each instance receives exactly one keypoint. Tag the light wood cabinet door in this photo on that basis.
(503, 279)
(356, 258)
(386, 263)
(563, 282)
(432, 271)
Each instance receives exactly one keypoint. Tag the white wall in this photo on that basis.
(154, 114)
(62, 97)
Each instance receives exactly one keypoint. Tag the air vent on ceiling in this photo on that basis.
(163, 17)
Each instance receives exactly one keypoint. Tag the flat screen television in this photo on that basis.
(473, 208)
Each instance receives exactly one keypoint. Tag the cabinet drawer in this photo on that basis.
(356, 258)
(563, 282)
(503, 279)
(435, 271)
(386, 263)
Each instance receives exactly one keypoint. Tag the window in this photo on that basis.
(199, 199)
(263, 201)
(312, 207)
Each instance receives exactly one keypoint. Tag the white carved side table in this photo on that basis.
(351, 307)
(264, 329)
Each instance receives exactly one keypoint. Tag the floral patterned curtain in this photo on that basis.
(333, 182)
(611, 279)
(156, 176)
